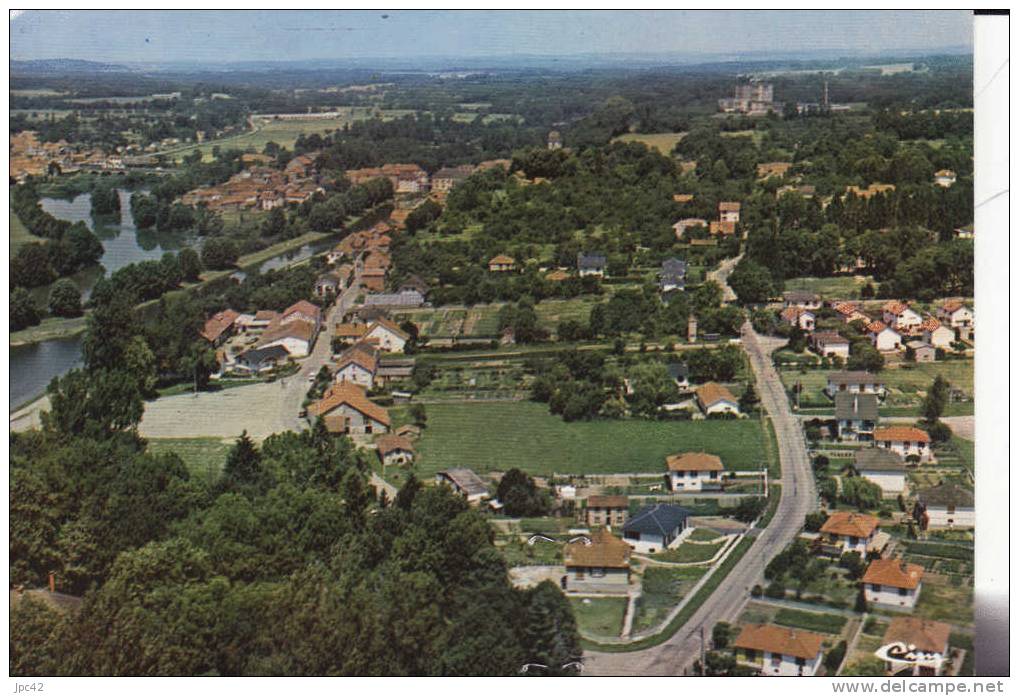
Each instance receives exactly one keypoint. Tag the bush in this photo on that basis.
(834, 658)
(775, 590)
(65, 299)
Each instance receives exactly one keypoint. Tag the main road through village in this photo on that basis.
(677, 654)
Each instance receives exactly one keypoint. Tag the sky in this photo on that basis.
(218, 36)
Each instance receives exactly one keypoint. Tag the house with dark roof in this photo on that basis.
(802, 299)
(465, 482)
(590, 263)
(672, 275)
(856, 416)
(607, 510)
(854, 382)
(415, 283)
(694, 471)
(603, 564)
(882, 467)
(830, 344)
(945, 506)
(779, 651)
(655, 527)
(260, 360)
(680, 374)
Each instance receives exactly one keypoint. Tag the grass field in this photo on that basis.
(703, 534)
(843, 287)
(663, 142)
(203, 456)
(599, 617)
(498, 436)
(690, 553)
(823, 623)
(20, 235)
(945, 602)
(905, 386)
(663, 588)
(284, 133)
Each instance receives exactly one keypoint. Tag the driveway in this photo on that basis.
(727, 601)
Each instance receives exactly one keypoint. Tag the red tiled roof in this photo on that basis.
(901, 433)
(218, 323)
(894, 573)
(390, 326)
(852, 524)
(693, 461)
(605, 551)
(712, 393)
(929, 636)
(780, 640)
(393, 443)
(354, 397)
(729, 207)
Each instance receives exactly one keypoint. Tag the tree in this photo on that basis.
(864, 356)
(721, 635)
(24, 313)
(243, 471)
(109, 327)
(936, 400)
(749, 509)
(751, 282)
(748, 400)
(65, 299)
(275, 224)
(418, 414)
(95, 404)
(833, 658)
(219, 253)
(860, 492)
(190, 264)
(814, 521)
(140, 361)
(520, 495)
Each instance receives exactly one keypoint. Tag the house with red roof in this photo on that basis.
(780, 651)
(883, 337)
(346, 409)
(891, 582)
(906, 441)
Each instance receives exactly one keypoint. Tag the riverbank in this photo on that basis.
(53, 328)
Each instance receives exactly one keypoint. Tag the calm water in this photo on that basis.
(33, 366)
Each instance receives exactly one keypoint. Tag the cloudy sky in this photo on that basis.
(226, 36)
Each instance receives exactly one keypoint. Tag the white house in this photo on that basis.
(955, 314)
(779, 651)
(937, 334)
(728, 211)
(395, 450)
(891, 582)
(357, 365)
(829, 344)
(797, 316)
(590, 264)
(465, 482)
(915, 646)
(849, 531)
(604, 564)
(883, 337)
(296, 335)
(882, 467)
(694, 471)
(346, 409)
(387, 335)
(854, 382)
(655, 527)
(714, 398)
(899, 316)
(856, 416)
(946, 506)
(906, 441)
(944, 177)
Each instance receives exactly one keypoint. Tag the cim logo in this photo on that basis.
(901, 654)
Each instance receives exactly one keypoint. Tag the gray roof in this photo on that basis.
(673, 266)
(878, 459)
(801, 296)
(256, 356)
(587, 260)
(855, 377)
(407, 298)
(678, 371)
(856, 406)
(657, 519)
(945, 495)
(466, 480)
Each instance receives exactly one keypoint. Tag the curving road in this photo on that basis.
(799, 497)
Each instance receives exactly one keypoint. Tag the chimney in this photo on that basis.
(691, 329)
(53, 581)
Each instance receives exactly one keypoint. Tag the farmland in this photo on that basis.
(497, 436)
(203, 456)
(663, 142)
(842, 287)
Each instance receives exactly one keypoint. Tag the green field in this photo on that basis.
(497, 436)
(663, 142)
(905, 386)
(823, 623)
(599, 617)
(842, 287)
(690, 553)
(20, 235)
(663, 588)
(203, 456)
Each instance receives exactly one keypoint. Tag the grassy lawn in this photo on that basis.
(823, 623)
(663, 588)
(517, 552)
(49, 328)
(945, 602)
(599, 617)
(663, 142)
(498, 436)
(905, 386)
(20, 235)
(690, 553)
(842, 287)
(702, 534)
(203, 456)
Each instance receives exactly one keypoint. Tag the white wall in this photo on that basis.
(960, 517)
(295, 346)
(683, 481)
(788, 667)
(890, 597)
(389, 342)
(891, 483)
(355, 374)
(723, 407)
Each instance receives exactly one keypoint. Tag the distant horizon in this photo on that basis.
(225, 38)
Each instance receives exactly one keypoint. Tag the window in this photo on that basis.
(903, 591)
(801, 661)
(875, 588)
(597, 572)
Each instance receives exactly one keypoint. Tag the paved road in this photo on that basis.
(727, 601)
(721, 274)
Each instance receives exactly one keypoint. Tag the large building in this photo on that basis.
(755, 99)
